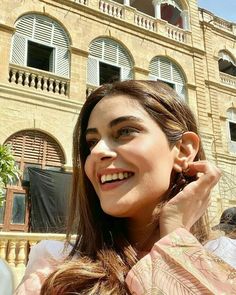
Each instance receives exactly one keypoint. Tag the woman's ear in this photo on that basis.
(187, 149)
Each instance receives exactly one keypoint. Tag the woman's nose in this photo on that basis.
(103, 150)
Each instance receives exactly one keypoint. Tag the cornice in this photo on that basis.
(9, 92)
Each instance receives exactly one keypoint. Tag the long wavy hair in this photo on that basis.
(102, 255)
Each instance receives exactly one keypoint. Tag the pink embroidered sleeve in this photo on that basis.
(179, 264)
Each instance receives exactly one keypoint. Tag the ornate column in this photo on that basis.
(184, 15)
(157, 8)
(126, 2)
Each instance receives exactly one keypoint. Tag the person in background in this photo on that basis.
(6, 278)
(225, 246)
(141, 186)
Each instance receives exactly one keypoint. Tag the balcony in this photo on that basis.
(41, 81)
(228, 80)
(134, 17)
(15, 248)
(219, 23)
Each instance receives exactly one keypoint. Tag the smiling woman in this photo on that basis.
(141, 186)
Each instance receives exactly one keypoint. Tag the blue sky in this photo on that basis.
(222, 8)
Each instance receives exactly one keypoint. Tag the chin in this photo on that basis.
(116, 213)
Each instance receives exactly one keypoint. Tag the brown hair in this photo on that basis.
(102, 255)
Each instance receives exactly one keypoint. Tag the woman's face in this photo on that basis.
(130, 162)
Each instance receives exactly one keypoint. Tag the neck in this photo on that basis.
(143, 233)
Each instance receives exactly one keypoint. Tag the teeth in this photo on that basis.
(114, 176)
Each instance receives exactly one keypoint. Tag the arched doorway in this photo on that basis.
(31, 148)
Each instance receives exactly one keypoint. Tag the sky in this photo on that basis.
(225, 9)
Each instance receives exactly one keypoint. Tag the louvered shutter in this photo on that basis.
(42, 30)
(36, 147)
(62, 62)
(180, 89)
(18, 53)
(93, 71)
(126, 74)
(110, 52)
(165, 70)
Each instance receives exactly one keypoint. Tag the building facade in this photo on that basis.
(53, 53)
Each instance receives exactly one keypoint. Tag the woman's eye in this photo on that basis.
(126, 131)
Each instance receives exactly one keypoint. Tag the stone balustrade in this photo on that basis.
(38, 80)
(223, 24)
(111, 8)
(84, 2)
(228, 79)
(132, 16)
(176, 33)
(144, 21)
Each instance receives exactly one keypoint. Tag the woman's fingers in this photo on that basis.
(208, 173)
(189, 205)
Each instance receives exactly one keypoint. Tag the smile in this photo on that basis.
(115, 176)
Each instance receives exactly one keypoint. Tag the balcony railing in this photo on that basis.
(111, 8)
(144, 21)
(35, 79)
(131, 15)
(217, 22)
(223, 24)
(228, 79)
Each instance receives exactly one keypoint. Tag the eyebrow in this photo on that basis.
(115, 122)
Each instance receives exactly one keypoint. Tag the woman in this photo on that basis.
(140, 186)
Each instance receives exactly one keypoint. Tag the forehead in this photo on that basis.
(111, 107)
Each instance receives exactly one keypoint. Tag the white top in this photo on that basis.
(6, 279)
(225, 248)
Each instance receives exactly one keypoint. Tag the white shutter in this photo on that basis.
(93, 71)
(110, 51)
(177, 75)
(231, 114)
(154, 67)
(62, 62)
(126, 74)
(25, 26)
(18, 54)
(165, 69)
(43, 29)
(180, 89)
(60, 37)
(51, 61)
(96, 49)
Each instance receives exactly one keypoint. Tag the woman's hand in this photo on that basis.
(190, 204)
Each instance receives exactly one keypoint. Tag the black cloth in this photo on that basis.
(49, 194)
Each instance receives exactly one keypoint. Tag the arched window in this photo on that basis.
(227, 63)
(41, 43)
(31, 148)
(171, 11)
(231, 115)
(108, 61)
(161, 68)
